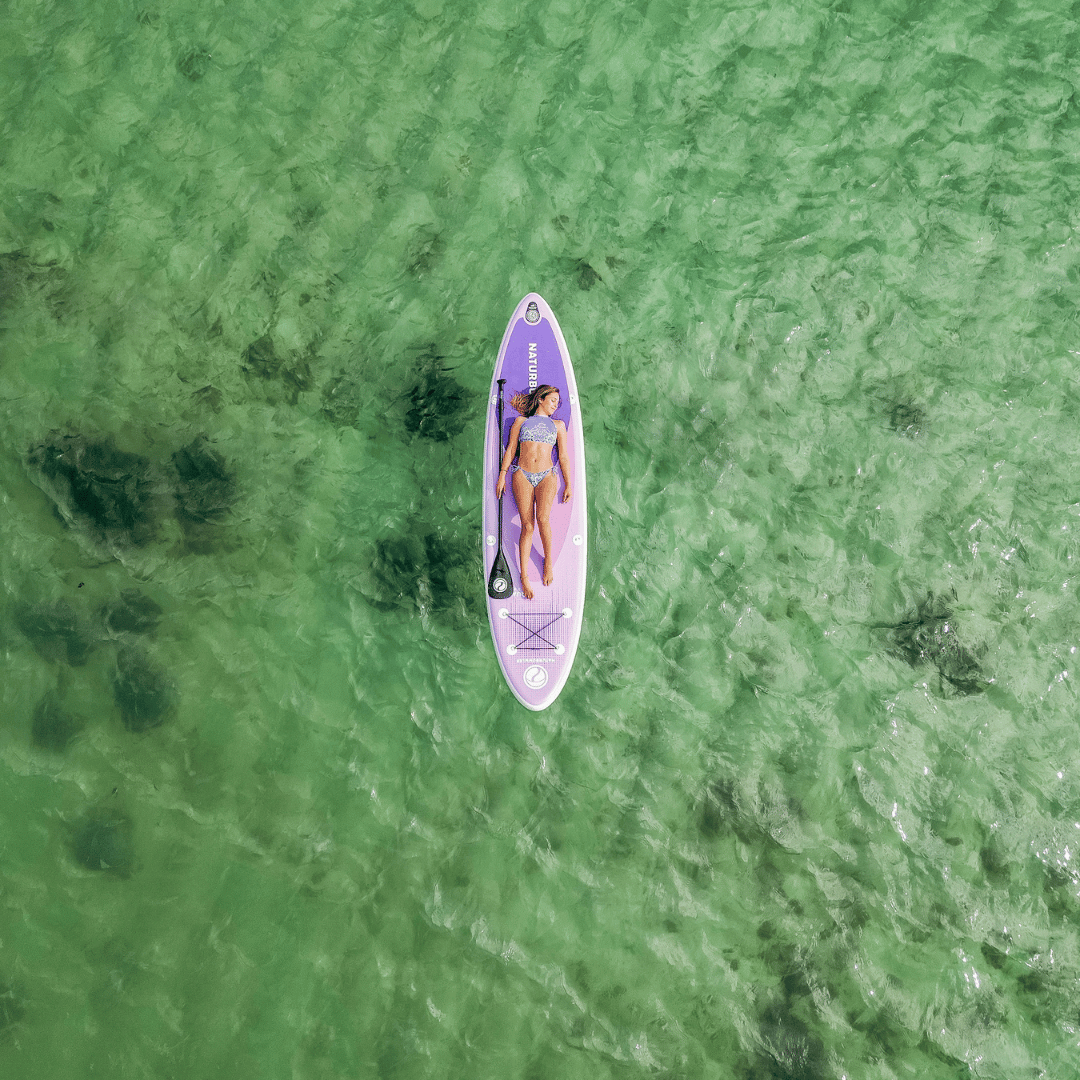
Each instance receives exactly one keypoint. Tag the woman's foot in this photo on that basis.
(549, 573)
(526, 588)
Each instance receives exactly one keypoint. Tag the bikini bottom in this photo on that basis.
(534, 478)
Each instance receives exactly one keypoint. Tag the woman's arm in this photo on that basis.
(511, 452)
(564, 460)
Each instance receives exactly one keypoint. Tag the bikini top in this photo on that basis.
(538, 428)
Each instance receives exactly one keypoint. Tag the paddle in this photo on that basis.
(500, 584)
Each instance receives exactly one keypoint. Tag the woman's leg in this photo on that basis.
(523, 495)
(544, 499)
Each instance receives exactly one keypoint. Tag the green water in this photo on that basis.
(809, 805)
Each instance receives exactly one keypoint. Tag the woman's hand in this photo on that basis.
(568, 493)
(500, 485)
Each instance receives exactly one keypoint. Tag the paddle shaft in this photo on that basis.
(500, 583)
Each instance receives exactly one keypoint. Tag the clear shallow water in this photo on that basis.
(808, 806)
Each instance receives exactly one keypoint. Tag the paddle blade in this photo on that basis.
(500, 584)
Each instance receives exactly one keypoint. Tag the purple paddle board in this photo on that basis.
(536, 640)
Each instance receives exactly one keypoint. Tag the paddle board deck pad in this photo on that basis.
(536, 640)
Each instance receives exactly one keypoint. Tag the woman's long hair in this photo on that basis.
(527, 404)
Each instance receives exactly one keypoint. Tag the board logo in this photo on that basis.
(532, 365)
(535, 677)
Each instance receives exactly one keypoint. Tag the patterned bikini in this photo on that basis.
(541, 429)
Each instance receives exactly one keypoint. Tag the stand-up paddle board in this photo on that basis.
(535, 640)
